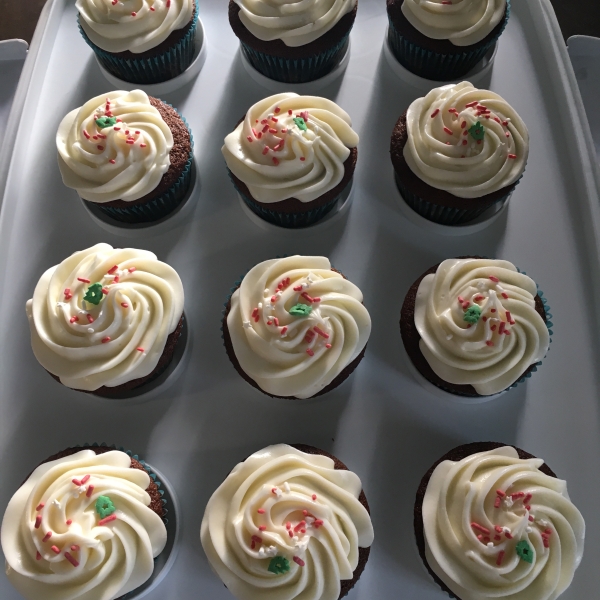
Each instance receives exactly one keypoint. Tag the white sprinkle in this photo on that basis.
(508, 501)
(543, 522)
(271, 551)
(90, 330)
(267, 292)
(506, 530)
(295, 540)
(529, 530)
(490, 544)
(278, 492)
(56, 503)
(261, 552)
(260, 305)
(449, 336)
(286, 487)
(309, 520)
(59, 304)
(247, 324)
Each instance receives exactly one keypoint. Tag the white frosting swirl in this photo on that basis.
(489, 352)
(478, 512)
(134, 25)
(294, 23)
(121, 161)
(118, 340)
(278, 157)
(442, 148)
(462, 22)
(58, 547)
(296, 355)
(281, 502)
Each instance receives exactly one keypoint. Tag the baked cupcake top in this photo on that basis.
(295, 324)
(462, 22)
(290, 146)
(294, 23)
(81, 527)
(466, 141)
(114, 147)
(478, 323)
(102, 316)
(497, 527)
(284, 525)
(133, 25)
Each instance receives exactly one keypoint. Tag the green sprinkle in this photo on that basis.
(94, 293)
(477, 131)
(472, 314)
(301, 123)
(103, 122)
(104, 506)
(279, 565)
(524, 551)
(300, 310)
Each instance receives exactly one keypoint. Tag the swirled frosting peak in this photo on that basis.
(133, 25)
(497, 527)
(295, 325)
(478, 323)
(462, 22)
(466, 141)
(286, 525)
(290, 146)
(294, 23)
(81, 528)
(114, 147)
(102, 316)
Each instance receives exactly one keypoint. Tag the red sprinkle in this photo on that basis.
(116, 279)
(38, 556)
(471, 104)
(73, 319)
(83, 280)
(55, 549)
(72, 560)
(464, 142)
(512, 156)
(283, 330)
(100, 147)
(262, 527)
(508, 535)
(131, 269)
(272, 130)
(105, 291)
(90, 318)
(47, 536)
(494, 279)
(89, 492)
(105, 339)
(530, 518)
(463, 124)
(435, 113)
(112, 161)
(497, 502)
(108, 519)
(314, 496)
(307, 297)
(288, 525)
(492, 310)
(277, 109)
(298, 561)
(321, 332)
(261, 511)
(40, 506)
(140, 349)
(69, 522)
(134, 14)
(500, 557)
(85, 480)
(546, 542)
(265, 150)
(275, 161)
(249, 138)
(302, 158)
(38, 521)
(481, 528)
(489, 343)
(327, 346)
(124, 305)
(504, 295)
(318, 523)
(448, 131)
(291, 534)
(310, 352)
(500, 493)
(76, 481)
(289, 112)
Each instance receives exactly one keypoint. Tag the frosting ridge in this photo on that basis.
(285, 524)
(290, 146)
(467, 141)
(102, 316)
(295, 325)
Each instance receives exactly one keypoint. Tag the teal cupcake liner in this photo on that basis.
(289, 220)
(445, 215)
(297, 70)
(172, 62)
(159, 207)
(435, 65)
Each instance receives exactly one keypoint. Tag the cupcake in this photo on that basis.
(292, 158)
(493, 521)
(106, 320)
(288, 522)
(475, 327)
(457, 152)
(86, 524)
(128, 154)
(145, 41)
(444, 40)
(295, 327)
(293, 42)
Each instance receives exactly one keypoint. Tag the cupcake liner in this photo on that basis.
(435, 65)
(445, 215)
(159, 207)
(297, 70)
(290, 220)
(165, 66)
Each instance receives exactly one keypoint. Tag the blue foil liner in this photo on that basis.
(172, 62)
(159, 207)
(445, 215)
(435, 65)
(296, 70)
(289, 220)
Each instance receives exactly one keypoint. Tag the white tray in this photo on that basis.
(381, 422)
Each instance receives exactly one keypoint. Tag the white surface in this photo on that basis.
(308, 88)
(585, 56)
(478, 75)
(380, 422)
(166, 87)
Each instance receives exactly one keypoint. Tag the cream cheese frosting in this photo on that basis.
(478, 323)
(132, 25)
(497, 527)
(294, 23)
(114, 147)
(285, 525)
(466, 141)
(295, 325)
(290, 146)
(80, 527)
(102, 316)
(462, 22)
